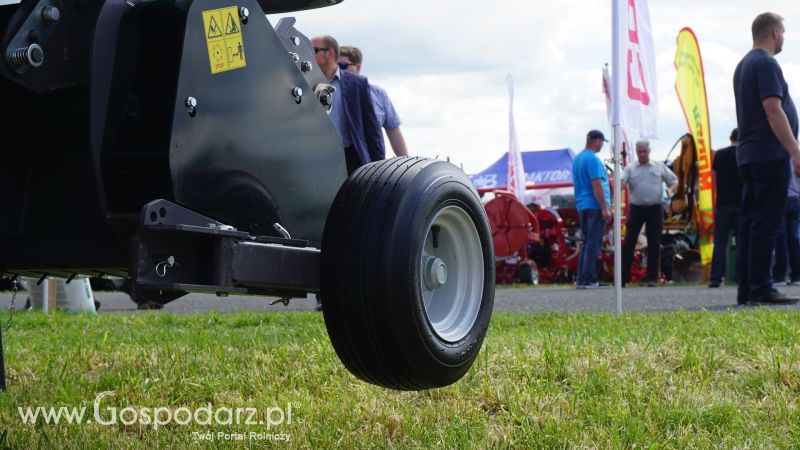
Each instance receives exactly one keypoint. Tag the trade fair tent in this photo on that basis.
(546, 171)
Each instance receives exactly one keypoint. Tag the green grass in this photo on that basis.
(671, 380)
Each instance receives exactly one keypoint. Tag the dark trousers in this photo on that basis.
(764, 191)
(592, 227)
(352, 159)
(653, 216)
(787, 244)
(726, 222)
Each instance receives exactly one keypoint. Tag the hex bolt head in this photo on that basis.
(297, 92)
(295, 40)
(191, 106)
(244, 13)
(295, 57)
(326, 98)
(306, 66)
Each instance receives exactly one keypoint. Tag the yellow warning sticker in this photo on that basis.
(224, 38)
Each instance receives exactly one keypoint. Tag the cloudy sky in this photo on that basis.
(444, 64)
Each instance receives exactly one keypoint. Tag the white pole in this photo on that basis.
(617, 217)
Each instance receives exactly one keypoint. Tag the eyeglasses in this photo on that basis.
(320, 49)
(344, 65)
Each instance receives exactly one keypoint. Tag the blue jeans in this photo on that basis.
(764, 191)
(592, 228)
(788, 243)
(726, 220)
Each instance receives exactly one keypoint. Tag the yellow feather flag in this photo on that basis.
(691, 88)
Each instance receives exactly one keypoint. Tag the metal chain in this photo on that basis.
(12, 308)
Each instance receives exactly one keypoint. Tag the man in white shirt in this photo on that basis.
(645, 179)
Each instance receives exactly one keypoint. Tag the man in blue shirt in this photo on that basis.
(350, 60)
(352, 110)
(592, 197)
(767, 121)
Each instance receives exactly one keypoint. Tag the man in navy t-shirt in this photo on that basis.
(767, 152)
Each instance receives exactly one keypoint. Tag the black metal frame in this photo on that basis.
(177, 251)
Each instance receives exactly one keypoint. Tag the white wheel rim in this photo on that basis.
(452, 273)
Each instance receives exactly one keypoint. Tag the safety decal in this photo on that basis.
(223, 33)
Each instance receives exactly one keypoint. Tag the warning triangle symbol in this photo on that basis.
(213, 28)
(231, 27)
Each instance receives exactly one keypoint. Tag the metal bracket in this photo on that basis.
(177, 251)
(25, 49)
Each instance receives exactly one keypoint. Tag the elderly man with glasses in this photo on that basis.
(352, 112)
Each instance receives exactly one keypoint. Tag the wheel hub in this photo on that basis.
(435, 273)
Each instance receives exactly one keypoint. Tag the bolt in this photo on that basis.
(306, 66)
(295, 40)
(32, 55)
(326, 98)
(244, 13)
(295, 57)
(297, 92)
(191, 106)
(51, 14)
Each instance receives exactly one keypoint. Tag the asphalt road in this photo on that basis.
(539, 299)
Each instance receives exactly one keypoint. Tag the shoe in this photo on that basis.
(714, 284)
(595, 285)
(773, 297)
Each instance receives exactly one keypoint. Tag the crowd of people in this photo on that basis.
(758, 192)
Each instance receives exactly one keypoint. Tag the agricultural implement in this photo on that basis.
(185, 145)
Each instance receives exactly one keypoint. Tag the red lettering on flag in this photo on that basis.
(706, 181)
(706, 228)
(640, 94)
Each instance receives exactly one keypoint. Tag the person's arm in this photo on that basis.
(600, 196)
(372, 128)
(397, 141)
(783, 131)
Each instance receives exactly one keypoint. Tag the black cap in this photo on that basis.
(596, 134)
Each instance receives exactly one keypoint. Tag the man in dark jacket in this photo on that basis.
(728, 207)
(352, 111)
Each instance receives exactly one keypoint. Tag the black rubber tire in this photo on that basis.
(371, 275)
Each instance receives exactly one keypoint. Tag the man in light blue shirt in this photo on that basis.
(593, 199)
(352, 112)
(350, 59)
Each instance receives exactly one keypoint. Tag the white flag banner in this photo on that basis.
(626, 145)
(634, 99)
(516, 171)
